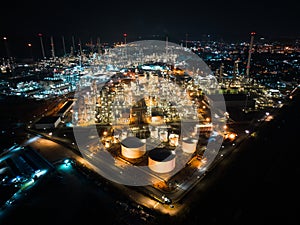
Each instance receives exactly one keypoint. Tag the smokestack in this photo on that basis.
(52, 48)
(249, 55)
(73, 43)
(98, 45)
(64, 46)
(42, 45)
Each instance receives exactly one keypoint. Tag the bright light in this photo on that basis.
(269, 118)
(231, 136)
(31, 140)
(202, 169)
(27, 184)
(107, 144)
(67, 161)
(204, 160)
(39, 173)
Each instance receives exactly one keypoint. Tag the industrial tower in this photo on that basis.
(249, 54)
(42, 45)
(52, 48)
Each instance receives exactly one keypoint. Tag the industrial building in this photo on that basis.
(48, 122)
(65, 108)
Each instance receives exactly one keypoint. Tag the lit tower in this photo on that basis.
(221, 72)
(30, 50)
(236, 69)
(42, 45)
(235, 72)
(73, 43)
(80, 52)
(98, 46)
(186, 40)
(71, 51)
(125, 37)
(6, 47)
(64, 46)
(167, 45)
(249, 54)
(52, 48)
(80, 47)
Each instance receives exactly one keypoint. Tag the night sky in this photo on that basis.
(229, 20)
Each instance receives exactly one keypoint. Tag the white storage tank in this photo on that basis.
(132, 147)
(189, 145)
(157, 120)
(161, 160)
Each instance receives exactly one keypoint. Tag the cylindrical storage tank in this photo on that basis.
(154, 133)
(157, 120)
(161, 160)
(143, 135)
(132, 147)
(163, 136)
(123, 135)
(173, 139)
(189, 145)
